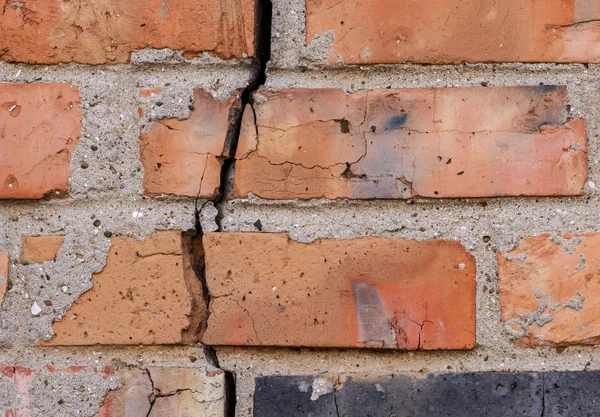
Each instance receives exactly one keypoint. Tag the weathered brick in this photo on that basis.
(4, 261)
(440, 31)
(160, 392)
(40, 127)
(373, 293)
(39, 249)
(401, 395)
(547, 290)
(107, 32)
(453, 142)
(146, 294)
(184, 157)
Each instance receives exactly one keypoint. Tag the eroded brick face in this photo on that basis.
(393, 144)
(146, 294)
(107, 32)
(40, 127)
(184, 157)
(372, 293)
(440, 31)
(547, 290)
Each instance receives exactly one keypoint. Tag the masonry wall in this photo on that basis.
(304, 207)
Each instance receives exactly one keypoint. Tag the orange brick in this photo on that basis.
(548, 288)
(437, 143)
(440, 31)
(184, 157)
(371, 293)
(146, 294)
(107, 32)
(39, 249)
(40, 127)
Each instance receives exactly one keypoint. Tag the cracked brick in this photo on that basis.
(146, 294)
(369, 293)
(398, 144)
(107, 32)
(547, 294)
(184, 157)
(40, 125)
(443, 32)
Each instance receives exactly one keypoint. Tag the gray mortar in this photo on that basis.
(68, 395)
(505, 220)
(109, 96)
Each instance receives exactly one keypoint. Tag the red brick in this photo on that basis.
(440, 31)
(371, 293)
(146, 294)
(40, 127)
(107, 32)
(39, 249)
(184, 157)
(454, 142)
(548, 288)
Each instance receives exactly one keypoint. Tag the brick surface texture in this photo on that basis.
(237, 208)
(476, 142)
(339, 293)
(41, 125)
(442, 31)
(107, 32)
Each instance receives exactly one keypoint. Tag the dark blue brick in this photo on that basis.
(292, 396)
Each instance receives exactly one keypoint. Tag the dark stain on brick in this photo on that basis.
(290, 396)
(374, 327)
(396, 121)
(547, 89)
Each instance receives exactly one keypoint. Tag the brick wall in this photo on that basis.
(299, 208)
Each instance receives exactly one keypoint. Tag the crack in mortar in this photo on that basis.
(263, 17)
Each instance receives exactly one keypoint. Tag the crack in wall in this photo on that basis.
(262, 44)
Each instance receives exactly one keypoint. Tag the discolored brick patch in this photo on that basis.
(398, 144)
(547, 290)
(370, 293)
(40, 125)
(158, 392)
(444, 32)
(107, 32)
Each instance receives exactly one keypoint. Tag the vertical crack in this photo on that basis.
(262, 53)
(543, 395)
(262, 42)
